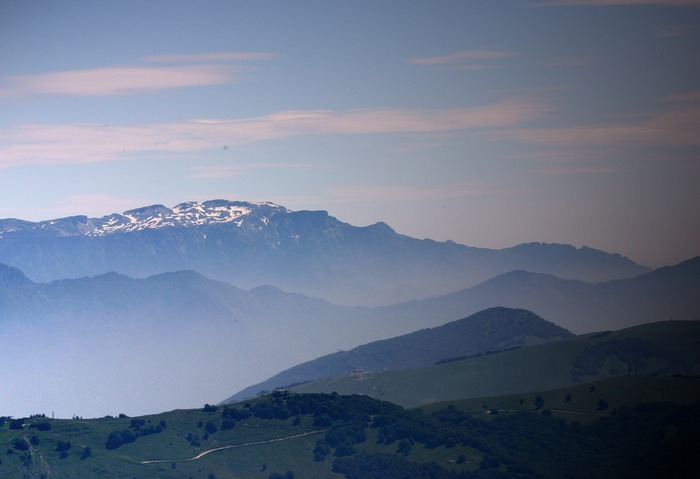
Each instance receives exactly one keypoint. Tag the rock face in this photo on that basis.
(309, 252)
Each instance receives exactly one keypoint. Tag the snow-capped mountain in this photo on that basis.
(310, 252)
(150, 217)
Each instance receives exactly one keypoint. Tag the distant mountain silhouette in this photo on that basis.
(309, 252)
(215, 338)
(671, 292)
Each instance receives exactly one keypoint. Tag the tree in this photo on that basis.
(210, 427)
(539, 402)
(321, 450)
(87, 451)
(404, 447)
(227, 424)
(21, 444)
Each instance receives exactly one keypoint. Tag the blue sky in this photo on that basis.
(490, 123)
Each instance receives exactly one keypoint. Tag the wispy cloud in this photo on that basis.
(604, 3)
(573, 61)
(674, 127)
(83, 143)
(232, 171)
(382, 193)
(189, 71)
(464, 60)
(93, 205)
(213, 57)
(586, 170)
(671, 31)
(116, 80)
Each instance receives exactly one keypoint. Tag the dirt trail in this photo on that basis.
(254, 443)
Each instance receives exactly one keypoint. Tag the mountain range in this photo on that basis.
(209, 298)
(309, 252)
(117, 335)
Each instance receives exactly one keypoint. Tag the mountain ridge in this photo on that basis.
(309, 252)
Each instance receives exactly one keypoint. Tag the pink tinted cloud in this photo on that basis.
(183, 71)
(365, 193)
(470, 60)
(119, 80)
(673, 127)
(83, 143)
(457, 57)
(212, 57)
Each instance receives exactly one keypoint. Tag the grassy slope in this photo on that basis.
(171, 445)
(260, 460)
(667, 347)
(493, 376)
(583, 404)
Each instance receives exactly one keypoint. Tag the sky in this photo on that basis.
(489, 123)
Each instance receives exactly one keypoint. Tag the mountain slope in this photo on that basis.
(490, 330)
(110, 336)
(309, 252)
(170, 340)
(664, 348)
(669, 292)
(672, 292)
(288, 436)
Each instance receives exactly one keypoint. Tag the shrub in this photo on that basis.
(210, 427)
(87, 452)
(42, 426)
(21, 444)
(227, 424)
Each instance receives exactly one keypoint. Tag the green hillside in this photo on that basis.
(631, 424)
(665, 348)
(289, 435)
(493, 329)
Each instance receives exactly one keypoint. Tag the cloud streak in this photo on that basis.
(464, 60)
(189, 71)
(382, 193)
(212, 57)
(86, 143)
(673, 127)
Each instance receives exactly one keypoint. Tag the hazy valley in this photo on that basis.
(159, 309)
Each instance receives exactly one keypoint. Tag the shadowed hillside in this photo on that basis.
(491, 330)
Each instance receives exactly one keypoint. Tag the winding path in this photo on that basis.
(254, 443)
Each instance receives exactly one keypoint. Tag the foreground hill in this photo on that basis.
(665, 348)
(353, 437)
(491, 330)
(310, 252)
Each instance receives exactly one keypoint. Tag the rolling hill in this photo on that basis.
(215, 338)
(490, 330)
(353, 437)
(663, 348)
